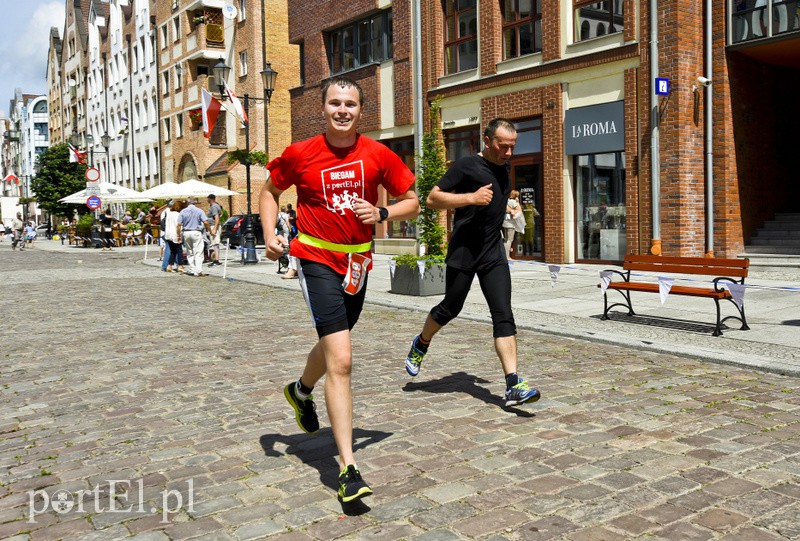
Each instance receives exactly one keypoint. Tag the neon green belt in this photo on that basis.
(332, 246)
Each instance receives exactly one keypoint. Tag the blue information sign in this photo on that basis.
(94, 202)
(662, 86)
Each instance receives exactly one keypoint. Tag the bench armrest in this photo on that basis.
(624, 275)
(719, 279)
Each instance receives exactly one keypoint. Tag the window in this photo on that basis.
(522, 27)
(405, 149)
(242, 10)
(595, 19)
(40, 107)
(167, 130)
(600, 198)
(460, 35)
(165, 76)
(529, 137)
(242, 63)
(164, 36)
(462, 142)
(302, 50)
(363, 42)
(176, 28)
(179, 125)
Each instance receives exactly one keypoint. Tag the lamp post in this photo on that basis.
(268, 76)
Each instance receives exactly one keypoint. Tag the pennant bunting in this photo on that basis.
(421, 267)
(237, 105)
(605, 279)
(737, 292)
(554, 270)
(210, 107)
(664, 285)
(392, 266)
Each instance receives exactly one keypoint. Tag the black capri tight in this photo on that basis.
(496, 286)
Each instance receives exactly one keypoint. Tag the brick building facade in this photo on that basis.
(193, 36)
(555, 69)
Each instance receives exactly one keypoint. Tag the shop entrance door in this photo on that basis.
(526, 177)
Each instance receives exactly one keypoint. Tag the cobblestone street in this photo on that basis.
(167, 390)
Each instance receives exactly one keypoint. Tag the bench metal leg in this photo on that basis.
(627, 304)
(718, 328)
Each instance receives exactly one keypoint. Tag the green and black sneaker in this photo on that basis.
(351, 485)
(305, 411)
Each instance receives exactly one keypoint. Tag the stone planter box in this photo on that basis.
(407, 281)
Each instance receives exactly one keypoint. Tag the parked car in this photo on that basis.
(233, 230)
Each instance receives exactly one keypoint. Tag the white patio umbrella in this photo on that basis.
(196, 188)
(108, 193)
(165, 190)
(187, 188)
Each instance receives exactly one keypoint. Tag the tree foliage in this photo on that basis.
(432, 167)
(56, 178)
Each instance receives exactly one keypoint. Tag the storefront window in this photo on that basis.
(601, 211)
(461, 142)
(406, 228)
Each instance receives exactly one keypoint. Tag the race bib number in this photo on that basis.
(356, 273)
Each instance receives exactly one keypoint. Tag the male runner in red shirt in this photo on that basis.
(336, 175)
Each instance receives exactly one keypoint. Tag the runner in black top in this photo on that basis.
(478, 188)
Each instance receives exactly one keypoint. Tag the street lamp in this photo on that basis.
(268, 76)
(89, 138)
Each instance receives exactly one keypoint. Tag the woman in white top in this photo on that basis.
(170, 225)
(512, 209)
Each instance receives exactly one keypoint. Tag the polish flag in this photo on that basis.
(237, 105)
(76, 156)
(11, 177)
(210, 107)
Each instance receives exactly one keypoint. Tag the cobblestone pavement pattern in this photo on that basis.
(115, 371)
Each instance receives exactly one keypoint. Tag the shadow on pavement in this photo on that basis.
(664, 322)
(465, 383)
(791, 322)
(319, 451)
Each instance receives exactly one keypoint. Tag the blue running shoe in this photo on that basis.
(521, 394)
(414, 359)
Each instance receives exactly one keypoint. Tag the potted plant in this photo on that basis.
(425, 274)
(199, 19)
(196, 118)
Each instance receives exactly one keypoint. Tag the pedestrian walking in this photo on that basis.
(191, 223)
(16, 230)
(478, 188)
(336, 175)
(173, 253)
(215, 224)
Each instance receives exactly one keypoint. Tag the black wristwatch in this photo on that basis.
(383, 213)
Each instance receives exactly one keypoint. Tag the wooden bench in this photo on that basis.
(724, 270)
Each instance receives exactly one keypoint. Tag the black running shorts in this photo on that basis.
(332, 310)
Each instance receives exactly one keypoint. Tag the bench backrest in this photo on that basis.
(711, 266)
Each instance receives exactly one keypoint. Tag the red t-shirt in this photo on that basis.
(327, 181)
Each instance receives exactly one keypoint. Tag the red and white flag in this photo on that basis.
(237, 105)
(210, 107)
(11, 177)
(76, 156)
